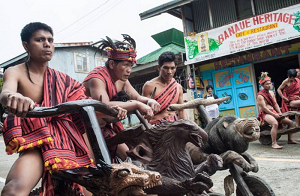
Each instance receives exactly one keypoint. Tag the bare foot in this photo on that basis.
(276, 146)
(211, 190)
(293, 142)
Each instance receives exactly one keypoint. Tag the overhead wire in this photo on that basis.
(116, 3)
(83, 17)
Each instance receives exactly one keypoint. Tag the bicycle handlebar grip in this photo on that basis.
(71, 107)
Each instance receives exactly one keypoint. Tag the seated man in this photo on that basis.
(107, 83)
(269, 110)
(298, 72)
(297, 117)
(289, 91)
(167, 92)
(44, 144)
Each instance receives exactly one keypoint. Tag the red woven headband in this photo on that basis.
(264, 79)
(122, 55)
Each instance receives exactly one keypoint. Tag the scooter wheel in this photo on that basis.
(266, 139)
(215, 194)
(257, 186)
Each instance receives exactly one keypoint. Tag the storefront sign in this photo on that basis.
(258, 31)
(252, 57)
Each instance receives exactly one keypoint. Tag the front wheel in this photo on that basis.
(215, 194)
(257, 186)
(267, 140)
(61, 188)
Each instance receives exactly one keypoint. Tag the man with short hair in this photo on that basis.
(298, 72)
(109, 82)
(44, 144)
(269, 110)
(167, 90)
(289, 91)
(297, 117)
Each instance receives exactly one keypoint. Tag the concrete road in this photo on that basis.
(6, 162)
(279, 168)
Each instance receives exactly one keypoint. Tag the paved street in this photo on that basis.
(5, 162)
(279, 168)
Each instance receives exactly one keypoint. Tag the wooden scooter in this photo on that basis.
(247, 185)
(265, 130)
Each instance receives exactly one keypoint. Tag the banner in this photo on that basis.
(258, 31)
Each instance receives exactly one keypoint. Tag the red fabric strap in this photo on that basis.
(102, 74)
(291, 93)
(59, 138)
(167, 96)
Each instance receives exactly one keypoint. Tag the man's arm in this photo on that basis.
(262, 104)
(97, 89)
(277, 108)
(147, 89)
(10, 85)
(280, 89)
(181, 113)
(144, 99)
(15, 102)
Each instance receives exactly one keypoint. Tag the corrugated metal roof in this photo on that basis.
(153, 56)
(13, 60)
(73, 44)
(56, 45)
(163, 8)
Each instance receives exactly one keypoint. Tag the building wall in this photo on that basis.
(238, 77)
(228, 11)
(235, 73)
(64, 60)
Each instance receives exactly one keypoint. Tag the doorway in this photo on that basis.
(237, 84)
(277, 70)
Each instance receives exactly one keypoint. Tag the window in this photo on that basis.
(81, 63)
(100, 61)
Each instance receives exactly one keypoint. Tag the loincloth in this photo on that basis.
(261, 117)
(167, 118)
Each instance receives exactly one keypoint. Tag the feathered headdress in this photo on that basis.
(264, 78)
(119, 50)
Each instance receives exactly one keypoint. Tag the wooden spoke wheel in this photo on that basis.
(61, 189)
(257, 186)
(215, 194)
(266, 139)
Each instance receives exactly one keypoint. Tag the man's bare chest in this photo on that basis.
(33, 91)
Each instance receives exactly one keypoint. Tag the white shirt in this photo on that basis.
(212, 110)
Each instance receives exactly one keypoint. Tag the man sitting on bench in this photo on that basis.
(269, 110)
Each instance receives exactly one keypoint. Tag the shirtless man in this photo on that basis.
(289, 91)
(297, 117)
(269, 110)
(167, 92)
(298, 72)
(41, 142)
(106, 84)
